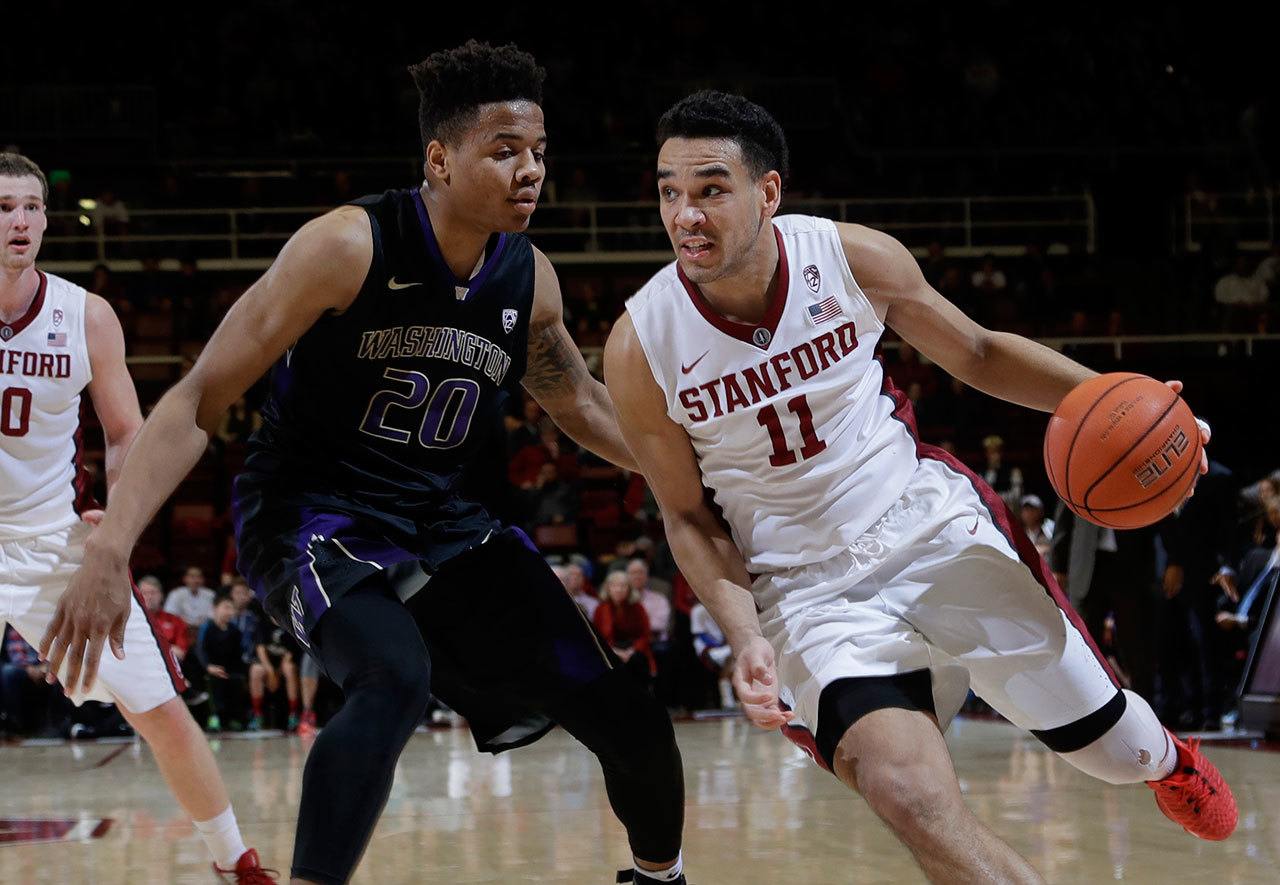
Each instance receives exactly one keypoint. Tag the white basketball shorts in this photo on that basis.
(945, 581)
(34, 573)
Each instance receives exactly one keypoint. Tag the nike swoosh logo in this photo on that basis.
(392, 284)
(689, 368)
(974, 530)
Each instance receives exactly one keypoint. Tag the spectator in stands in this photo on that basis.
(989, 279)
(574, 580)
(102, 282)
(1198, 541)
(309, 679)
(557, 501)
(341, 189)
(1241, 295)
(220, 649)
(238, 424)
(1005, 478)
(191, 600)
(149, 294)
(955, 413)
(656, 605)
(624, 624)
(713, 650)
(192, 300)
(936, 264)
(248, 616)
(276, 659)
(22, 684)
(1268, 271)
(171, 628)
(1243, 600)
(1038, 529)
(523, 431)
(550, 447)
(1109, 573)
(906, 369)
(110, 215)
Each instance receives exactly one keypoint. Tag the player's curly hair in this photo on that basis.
(711, 114)
(453, 83)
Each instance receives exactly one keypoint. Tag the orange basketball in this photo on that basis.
(1122, 450)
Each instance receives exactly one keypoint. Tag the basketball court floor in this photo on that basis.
(759, 813)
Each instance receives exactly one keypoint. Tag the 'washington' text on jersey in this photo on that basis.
(437, 342)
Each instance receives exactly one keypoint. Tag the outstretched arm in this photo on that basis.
(114, 398)
(558, 379)
(321, 268)
(707, 556)
(1002, 364)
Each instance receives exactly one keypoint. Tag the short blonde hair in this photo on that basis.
(618, 575)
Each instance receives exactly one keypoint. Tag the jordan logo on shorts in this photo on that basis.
(299, 618)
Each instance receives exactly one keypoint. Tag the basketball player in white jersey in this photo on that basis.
(56, 340)
(864, 581)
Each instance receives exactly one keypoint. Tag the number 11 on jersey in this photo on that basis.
(782, 455)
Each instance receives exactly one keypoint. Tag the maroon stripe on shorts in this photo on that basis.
(166, 652)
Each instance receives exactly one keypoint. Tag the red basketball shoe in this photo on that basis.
(248, 871)
(1195, 796)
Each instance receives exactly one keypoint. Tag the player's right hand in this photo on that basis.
(94, 609)
(755, 680)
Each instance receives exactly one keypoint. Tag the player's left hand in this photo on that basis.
(92, 611)
(92, 517)
(1205, 434)
(755, 680)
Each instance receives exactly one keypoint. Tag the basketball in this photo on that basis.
(1122, 450)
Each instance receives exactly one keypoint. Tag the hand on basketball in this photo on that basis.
(755, 679)
(93, 610)
(1205, 434)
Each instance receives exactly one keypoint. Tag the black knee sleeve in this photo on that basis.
(631, 734)
(1084, 731)
(369, 644)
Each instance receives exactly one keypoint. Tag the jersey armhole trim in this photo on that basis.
(84, 337)
(659, 377)
(851, 281)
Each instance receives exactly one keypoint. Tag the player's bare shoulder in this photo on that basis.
(336, 249)
(884, 268)
(101, 325)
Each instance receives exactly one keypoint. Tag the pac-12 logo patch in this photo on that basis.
(812, 278)
(57, 317)
(509, 319)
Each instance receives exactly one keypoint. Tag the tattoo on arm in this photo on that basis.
(555, 366)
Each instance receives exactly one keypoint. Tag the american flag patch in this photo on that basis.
(824, 310)
(57, 339)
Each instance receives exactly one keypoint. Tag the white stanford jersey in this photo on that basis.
(794, 432)
(44, 365)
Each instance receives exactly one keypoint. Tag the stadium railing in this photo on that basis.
(576, 232)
